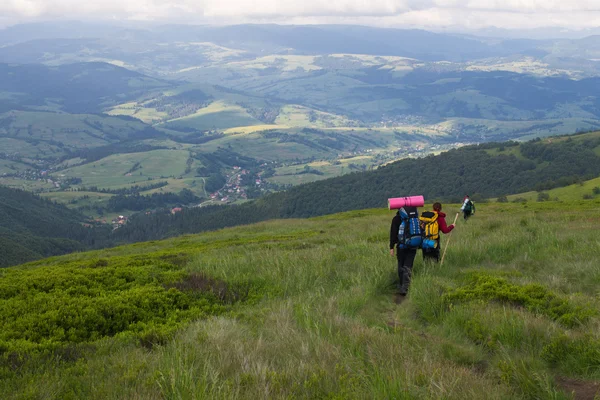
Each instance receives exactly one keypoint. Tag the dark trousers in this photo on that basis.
(406, 258)
(432, 255)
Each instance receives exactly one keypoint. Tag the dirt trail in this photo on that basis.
(581, 390)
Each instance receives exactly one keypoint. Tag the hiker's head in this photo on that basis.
(437, 207)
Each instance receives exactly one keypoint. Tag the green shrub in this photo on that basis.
(543, 196)
(49, 307)
(533, 297)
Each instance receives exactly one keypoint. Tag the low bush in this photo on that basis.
(45, 308)
(533, 297)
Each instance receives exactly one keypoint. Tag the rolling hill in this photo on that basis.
(583, 190)
(74, 88)
(322, 39)
(306, 309)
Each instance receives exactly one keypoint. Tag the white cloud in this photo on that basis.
(425, 13)
(249, 8)
(97, 8)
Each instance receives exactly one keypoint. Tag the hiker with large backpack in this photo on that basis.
(468, 207)
(432, 222)
(406, 236)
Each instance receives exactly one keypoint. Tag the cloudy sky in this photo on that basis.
(462, 14)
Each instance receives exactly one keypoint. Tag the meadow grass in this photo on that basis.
(10, 167)
(287, 63)
(136, 110)
(122, 169)
(512, 314)
(293, 174)
(11, 145)
(296, 115)
(78, 130)
(576, 191)
(217, 115)
(258, 146)
(245, 130)
(34, 186)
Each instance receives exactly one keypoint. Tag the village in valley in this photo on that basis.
(241, 185)
(233, 189)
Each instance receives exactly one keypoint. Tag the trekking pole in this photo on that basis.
(448, 242)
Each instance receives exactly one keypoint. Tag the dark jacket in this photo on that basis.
(396, 221)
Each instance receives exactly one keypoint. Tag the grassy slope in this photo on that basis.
(295, 115)
(566, 193)
(12, 167)
(327, 325)
(76, 199)
(217, 115)
(293, 174)
(76, 130)
(11, 145)
(112, 171)
(133, 109)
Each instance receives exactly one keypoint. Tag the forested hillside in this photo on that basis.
(75, 88)
(482, 171)
(31, 228)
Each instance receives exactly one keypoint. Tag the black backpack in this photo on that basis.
(469, 208)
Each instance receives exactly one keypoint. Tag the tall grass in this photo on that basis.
(321, 320)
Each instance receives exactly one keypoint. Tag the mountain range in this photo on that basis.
(105, 119)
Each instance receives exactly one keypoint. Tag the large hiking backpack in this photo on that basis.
(431, 229)
(410, 235)
(469, 208)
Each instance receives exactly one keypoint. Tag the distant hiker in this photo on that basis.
(405, 234)
(432, 222)
(468, 207)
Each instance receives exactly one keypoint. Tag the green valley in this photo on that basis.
(130, 187)
(67, 104)
(484, 171)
